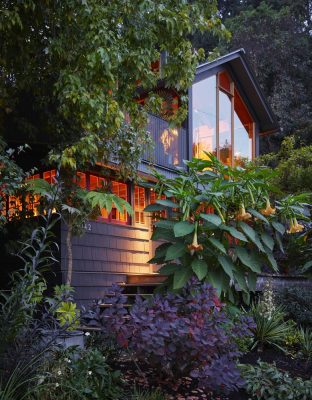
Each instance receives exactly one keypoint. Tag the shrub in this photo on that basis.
(180, 334)
(293, 167)
(220, 226)
(69, 377)
(296, 303)
(147, 395)
(270, 329)
(305, 342)
(265, 382)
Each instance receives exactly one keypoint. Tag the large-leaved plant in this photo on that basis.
(220, 225)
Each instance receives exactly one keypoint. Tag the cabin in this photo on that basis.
(227, 116)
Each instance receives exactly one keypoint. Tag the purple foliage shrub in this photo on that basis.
(185, 334)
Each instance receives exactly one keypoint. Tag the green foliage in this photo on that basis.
(147, 395)
(62, 307)
(229, 245)
(305, 341)
(293, 166)
(17, 307)
(75, 206)
(77, 66)
(265, 382)
(279, 28)
(22, 377)
(292, 339)
(270, 330)
(88, 376)
(296, 303)
(11, 177)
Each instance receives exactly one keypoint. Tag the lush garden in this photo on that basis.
(208, 332)
(221, 326)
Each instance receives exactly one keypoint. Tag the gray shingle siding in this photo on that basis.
(105, 254)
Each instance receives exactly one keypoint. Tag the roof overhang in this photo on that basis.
(242, 73)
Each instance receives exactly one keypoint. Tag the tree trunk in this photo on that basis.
(69, 254)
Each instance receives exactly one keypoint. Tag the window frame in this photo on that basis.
(234, 85)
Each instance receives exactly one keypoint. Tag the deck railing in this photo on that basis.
(169, 144)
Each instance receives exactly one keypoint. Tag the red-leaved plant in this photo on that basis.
(180, 334)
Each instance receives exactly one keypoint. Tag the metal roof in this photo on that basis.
(236, 62)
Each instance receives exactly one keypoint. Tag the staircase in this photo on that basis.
(142, 284)
(136, 284)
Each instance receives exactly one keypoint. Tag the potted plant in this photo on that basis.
(61, 319)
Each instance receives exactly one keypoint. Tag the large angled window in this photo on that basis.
(243, 132)
(221, 122)
(204, 117)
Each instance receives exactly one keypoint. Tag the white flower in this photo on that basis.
(59, 372)
(89, 372)
(57, 385)
(87, 334)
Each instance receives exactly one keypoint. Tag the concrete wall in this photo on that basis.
(105, 254)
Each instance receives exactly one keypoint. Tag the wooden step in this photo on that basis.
(130, 294)
(150, 279)
(108, 305)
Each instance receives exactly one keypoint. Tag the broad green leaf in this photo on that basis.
(212, 218)
(267, 240)
(169, 269)
(278, 238)
(252, 281)
(176, 250)
(153, 208)
(162, 234)
(164, 224)
(252, 235)
(246, 297)
(183, 228)
(167, 203)
(241, 280)
(161, 250)
(307, 266)
(234, 232)
(181, 276)
(217, 244)
(215, 278)
(248, 259)
(227, 265)
(272, 260)
(39, 186)
(200, 268)
(257, 215)
(279, 227)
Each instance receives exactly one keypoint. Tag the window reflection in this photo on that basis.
(225, 140)
(204, 117)
(243, 132)
(169, 140)
(212, 127)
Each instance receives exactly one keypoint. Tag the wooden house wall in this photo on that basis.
(104, 255)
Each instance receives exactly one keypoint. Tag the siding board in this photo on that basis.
(104, 255)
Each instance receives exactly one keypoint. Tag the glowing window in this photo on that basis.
(49, 176)
(119, 189)
(139, 205)
(81, 180)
